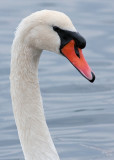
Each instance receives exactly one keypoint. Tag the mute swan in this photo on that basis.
(42, 30)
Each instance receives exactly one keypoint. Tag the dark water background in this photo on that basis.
(80, 115)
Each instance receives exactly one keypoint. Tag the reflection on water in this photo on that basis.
(80, 115)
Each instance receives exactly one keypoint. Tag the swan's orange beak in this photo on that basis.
(75, 56)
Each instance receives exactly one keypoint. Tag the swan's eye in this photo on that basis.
(55, 28)
(64, 35)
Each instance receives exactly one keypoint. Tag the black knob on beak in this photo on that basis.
(80, 41)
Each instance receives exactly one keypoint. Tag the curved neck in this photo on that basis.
(27, 105)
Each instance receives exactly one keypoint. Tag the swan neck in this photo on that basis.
(28, 110)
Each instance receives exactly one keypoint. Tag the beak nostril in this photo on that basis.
(76, 51)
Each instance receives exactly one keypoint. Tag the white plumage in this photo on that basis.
(34, 34)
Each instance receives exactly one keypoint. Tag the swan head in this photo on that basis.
(54, 31)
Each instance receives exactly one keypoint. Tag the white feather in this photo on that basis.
(34, 34)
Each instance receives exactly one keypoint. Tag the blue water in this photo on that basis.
(80, 115)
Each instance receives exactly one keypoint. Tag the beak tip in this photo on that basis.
(93, 77)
